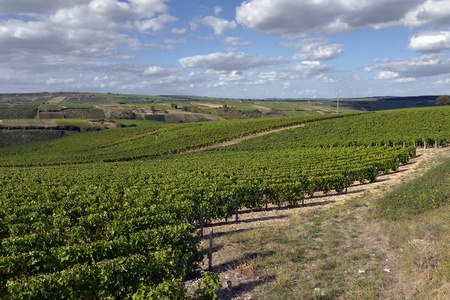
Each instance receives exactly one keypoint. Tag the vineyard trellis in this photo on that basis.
(119, 229)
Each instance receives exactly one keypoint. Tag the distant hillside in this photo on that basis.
(22, 114)
(385, 103)
(92, 98)
(368, 104)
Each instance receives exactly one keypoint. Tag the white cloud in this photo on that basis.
(193, 25)
(159, 71)
(442, 81)
(295, 18)
(217, 10)
(303, 70)
(179, 30)
(230, 61)
(155, 24)
(219, 25)
(387, 75)
(407, 70)
(427, 42)
(325, 78)
(235, 41)
(312, 49)
(52, 81)
(41, 41)
(33, 7)
(75, 30)
(133, 9)
(431, 12)
(177, 41)
(234, 77)
(405, 80)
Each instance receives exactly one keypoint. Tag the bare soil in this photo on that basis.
(211, 105)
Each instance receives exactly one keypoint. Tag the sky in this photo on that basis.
(254, 49)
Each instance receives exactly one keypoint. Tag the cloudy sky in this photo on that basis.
(226, 48)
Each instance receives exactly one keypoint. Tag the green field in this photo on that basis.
(115, 213)
(138, 142)
(17, 111)
(21, 136)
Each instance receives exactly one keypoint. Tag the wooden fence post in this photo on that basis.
(202, 214)
(210, 249)
(229, 290)
(237, 208)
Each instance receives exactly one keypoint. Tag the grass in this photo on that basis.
(82, 124)
(311, 258)
(18, 137)
(50, 107)
(431, 191)
(28, 122)
(347, 252)
(18, 111)
(418, 228)
(86, 113)
(141, 123)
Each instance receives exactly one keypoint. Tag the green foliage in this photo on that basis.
(168, 290)
(133, 143)
(140, 123)
(73, 124)
(89, 237)
(18, 137)
(117, 230)
(431, 191)
(442, 100)
(83, 113)
(50, 107)
(407, 126)
(208, 287)
(18, 111)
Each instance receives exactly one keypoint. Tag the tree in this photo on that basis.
(442, 100)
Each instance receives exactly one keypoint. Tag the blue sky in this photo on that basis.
(238, 49)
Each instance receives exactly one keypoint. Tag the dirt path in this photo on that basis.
(227, 259)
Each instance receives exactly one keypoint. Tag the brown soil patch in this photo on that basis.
(112, 111)
(211, 105)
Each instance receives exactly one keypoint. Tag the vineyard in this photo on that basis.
(74, 225)
(124, 144)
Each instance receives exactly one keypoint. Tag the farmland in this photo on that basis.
(115, 213)
(110, 108)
